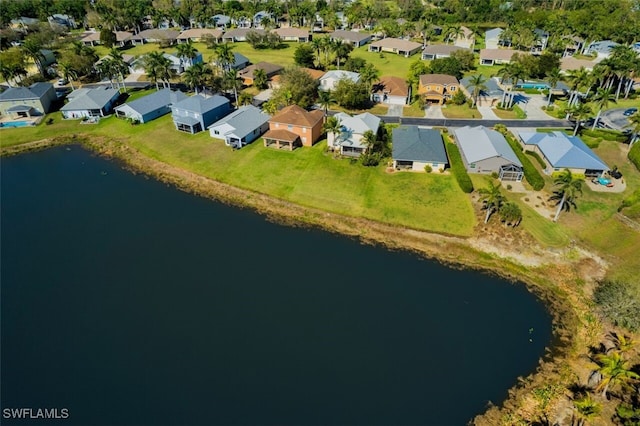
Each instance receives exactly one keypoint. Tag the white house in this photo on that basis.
(90, 102)
(352, 130)
(241, 127)
(329, 80)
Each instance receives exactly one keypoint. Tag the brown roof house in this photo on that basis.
(314, 74)
(465, 39)
(200, 34)
(391, 90)
(247, 74)
(93, 38)
(437, 88)
(293, 34)
(294, 126)
(497, 56)
(155, 35)
(405, 48)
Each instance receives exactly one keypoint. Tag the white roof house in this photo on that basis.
(90, 102)
(241, 127)
(486, 151)
(602, 48)
(353, 128)
(329, 80)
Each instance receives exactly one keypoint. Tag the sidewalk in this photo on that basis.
(487, 113)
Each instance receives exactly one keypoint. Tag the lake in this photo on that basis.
(126, 301)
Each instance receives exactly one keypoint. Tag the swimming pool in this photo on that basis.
(16, 124)
(532, 85)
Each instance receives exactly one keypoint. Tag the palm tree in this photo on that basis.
(369, 74)
(623, 342)
(491, 198)
(553, 77)
(576, 78)
(568, 189)
(197, 76)
(325, 99)
(33, 49)
(224, 56)
(452, 32)
(585, 409)
(342, 51)
(602, 99)
(510, 214)
(245, 98)
(120, 67)
(260, 79)
(68, 72)
(369, 140)
(317, 43)
(614, 372)
(187, 52)
(580, 112)
(477, 83)
(333, 126)
(230, 81)
(635, 123)
(106, 69)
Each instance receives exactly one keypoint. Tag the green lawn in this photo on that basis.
(413, 110)
(515, 114)
(460, 111)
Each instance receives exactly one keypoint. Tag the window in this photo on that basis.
(290, 127)
(453, 88)
(215, 132)
(472, 165)
(304, 130)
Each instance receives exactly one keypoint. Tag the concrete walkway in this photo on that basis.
(532, 105)
(433, 111)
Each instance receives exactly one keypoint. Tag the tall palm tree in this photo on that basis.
(224, 56)
(577, 79)
(245, 98)
(579, 112)
(197, 76)
(585, 409)
(187, 52)
(151, 62)
(325, 99)
(68, 72)
(452, 32)
(601, 100)
(260, 79)
(230, 81)
(568, 189)
(369, 74)
(341, 50)
(477, 83)
(32, 48)
(553, 77)
(106, 69)
(635, 128)
(333, 126)
(120, 67)
(614, 372)
(491, 198)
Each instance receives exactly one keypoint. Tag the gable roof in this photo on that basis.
(95, 36)
(244, 120)
(268, 68)
(493, 33)
(200, 104)
(291, 32)
(356, 125)
(391, 85)
(242, 32)
(564, 151)
(443, 79)
(568, 63)
(221, 19)
(396, 43)
(91, 99)
(493, 88)
(499, 54)
(350, 35)
(479, 143)
(443, 49)
(35, 91)
(156, 34)
(155, 100)
(199, 33)
(297, 116)
(340, 74)
(413, 143)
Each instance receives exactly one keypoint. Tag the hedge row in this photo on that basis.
(634, 155)
(530, 172)
(610, 135)
(458, 169)
(537, 157)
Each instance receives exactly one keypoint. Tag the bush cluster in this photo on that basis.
(610, 135)
(457, 168)
(537, 157)
(616, 303)
(634, 155)
(531, 174)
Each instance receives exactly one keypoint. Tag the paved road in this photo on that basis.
(614, 119)
(447, 122)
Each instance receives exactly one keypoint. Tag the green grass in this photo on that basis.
(389, 63)
(413, 110)
(514, 114)
(460, 111)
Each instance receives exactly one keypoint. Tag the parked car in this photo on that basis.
(62, 81)
(630, 111)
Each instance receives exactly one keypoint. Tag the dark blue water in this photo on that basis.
(128, 302)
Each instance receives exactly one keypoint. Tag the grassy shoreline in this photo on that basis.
(570, 334)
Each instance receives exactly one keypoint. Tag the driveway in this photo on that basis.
(433, 111)
(487, 113)
(395, 110)
(532, 105)
(614, 119)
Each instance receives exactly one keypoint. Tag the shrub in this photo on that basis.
(634, 155)
(610, 135)
(537, 157)
(616, 303)
(495, 175)
(530, 172)
(428, 168)
(459, 98)
(509, 187)
(457, 168)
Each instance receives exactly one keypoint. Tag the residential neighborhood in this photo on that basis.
(506, 131)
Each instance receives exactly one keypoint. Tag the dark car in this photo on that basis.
(629, 112)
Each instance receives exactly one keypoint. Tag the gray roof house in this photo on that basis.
(602, 48)
(438, 51)
(486, 151)
(96, 102)
(355, 38)
(221, 21)
(151, 106)
(492, 38)
(196, 113)
(561, 151)
(489, 96)
(27, 101)
(239, 61)
(415, 147)
(155, 35)
(241, 127)
(240, 34)
(349, 141)
(329, 80)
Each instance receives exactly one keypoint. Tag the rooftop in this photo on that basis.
(244, 120)
(564, 151)
(297, 116)
(91, 99)
(443, 79)
(350, 35)
(200, 104)
(412, 143)
(155, 100)
(396, 43)
(35, 91)
(480, 143)
(391, 85)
